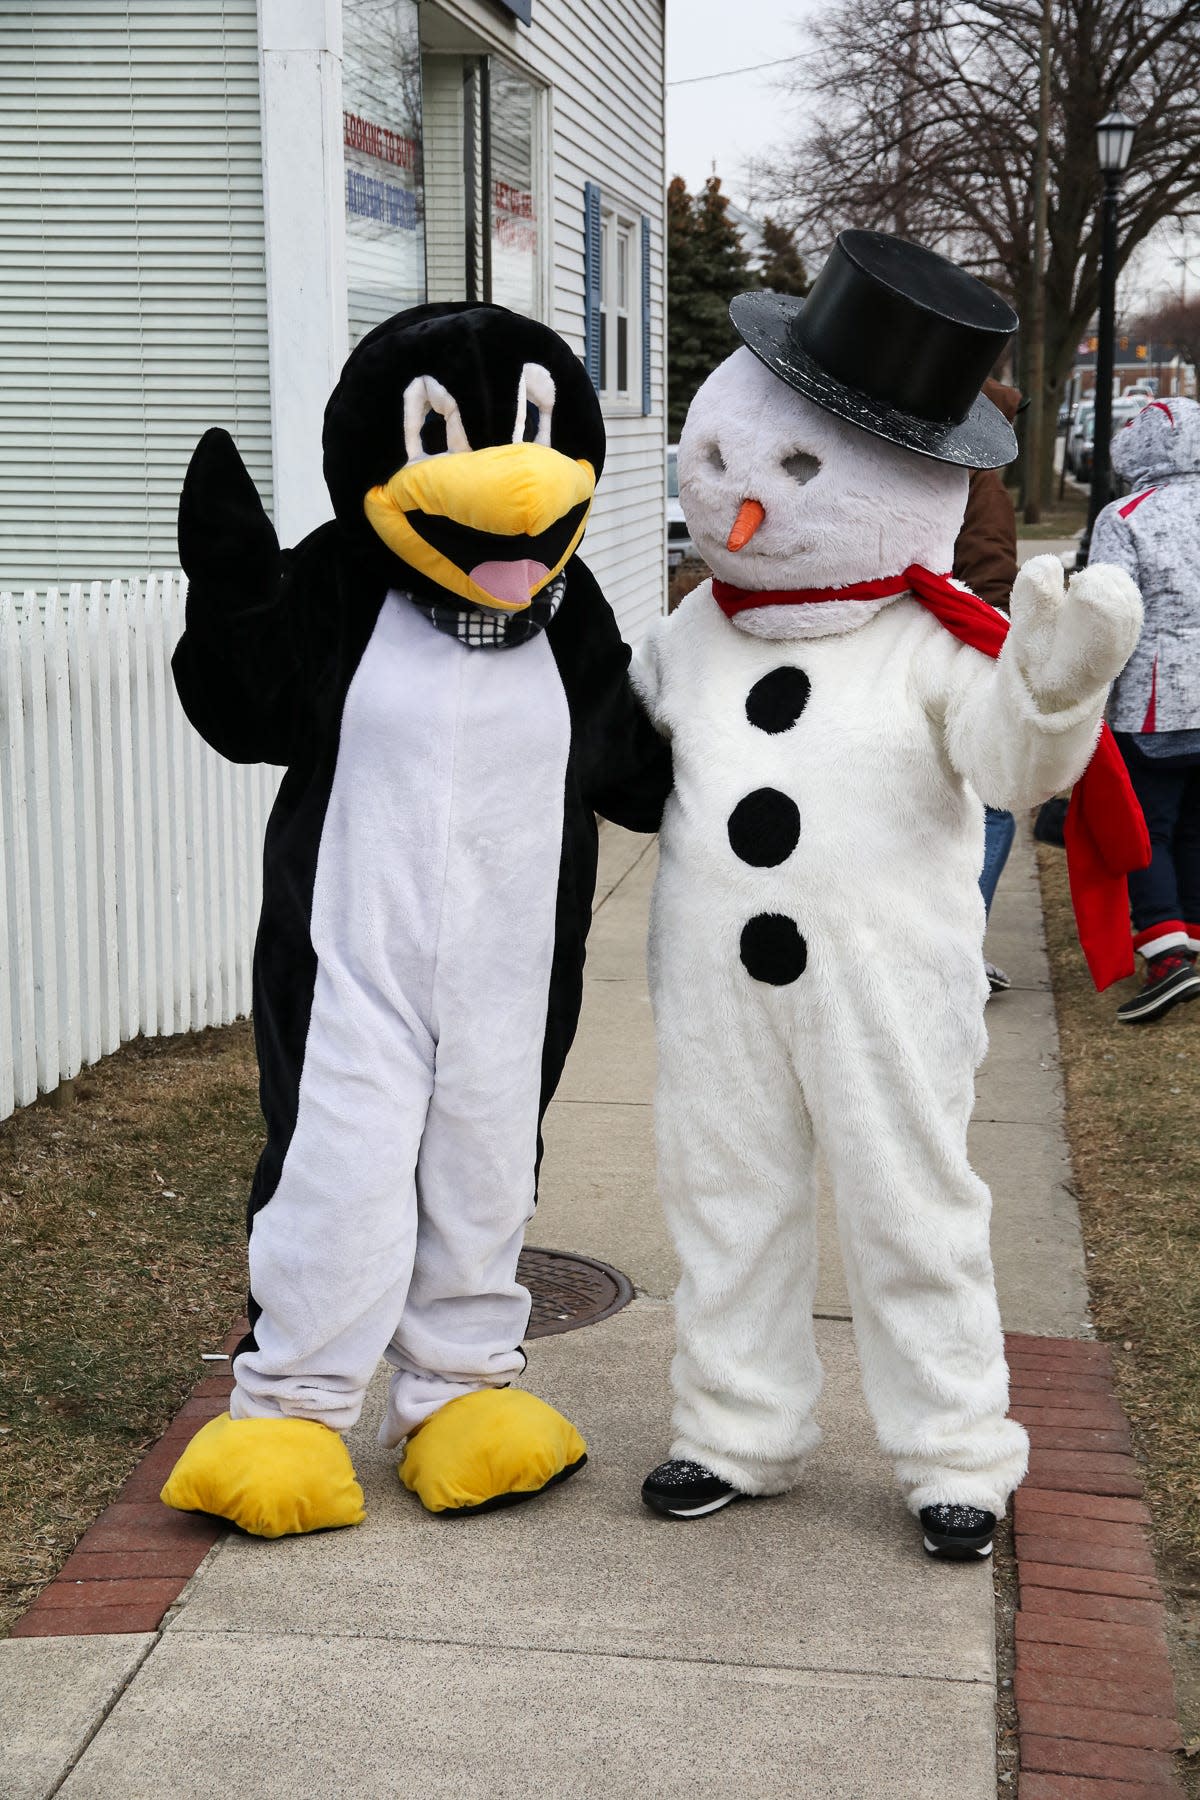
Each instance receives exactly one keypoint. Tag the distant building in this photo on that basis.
(1138, 362)
(207, 202)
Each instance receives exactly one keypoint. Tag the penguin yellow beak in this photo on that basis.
(493, 526)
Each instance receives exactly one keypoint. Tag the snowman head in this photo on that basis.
(835, 504)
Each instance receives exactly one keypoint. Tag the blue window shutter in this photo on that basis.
(591, 281)
(645, 315)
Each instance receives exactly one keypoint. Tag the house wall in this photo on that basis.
(132, 289)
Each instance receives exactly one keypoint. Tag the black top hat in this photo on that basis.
(896, 339)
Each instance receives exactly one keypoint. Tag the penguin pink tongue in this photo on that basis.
(511, 582)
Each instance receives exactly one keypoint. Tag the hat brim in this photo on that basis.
(983, 440)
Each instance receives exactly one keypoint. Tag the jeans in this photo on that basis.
(1167, 894)
(999, 829)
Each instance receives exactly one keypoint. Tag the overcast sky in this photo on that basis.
(736, 117)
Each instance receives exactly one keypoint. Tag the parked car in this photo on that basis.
(679, 541)
(1126, 407)
(1076, 431)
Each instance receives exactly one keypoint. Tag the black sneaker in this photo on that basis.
(686, 1490)
(998, 981)
(1170, 978)
(958, 1533)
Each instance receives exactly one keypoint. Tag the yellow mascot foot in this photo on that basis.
(272, 1477)
(491, 1448)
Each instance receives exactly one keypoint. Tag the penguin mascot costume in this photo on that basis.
(449, 693)
(839, 711)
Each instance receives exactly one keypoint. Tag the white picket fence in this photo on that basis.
(130, 853)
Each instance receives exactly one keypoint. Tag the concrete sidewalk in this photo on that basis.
(800, 1646)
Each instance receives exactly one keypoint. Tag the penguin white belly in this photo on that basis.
(410, 1174)
(438, 863)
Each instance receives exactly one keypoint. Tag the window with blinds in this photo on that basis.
(132, 285)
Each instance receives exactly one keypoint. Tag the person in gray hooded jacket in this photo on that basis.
(1154, 709)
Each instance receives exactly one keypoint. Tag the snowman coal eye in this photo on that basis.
(801, 466)
(713, 457)
(432, 421)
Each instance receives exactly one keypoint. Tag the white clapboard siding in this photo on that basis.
(132, 283)
(130, 853)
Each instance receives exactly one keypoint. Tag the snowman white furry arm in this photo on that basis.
(1023, 726)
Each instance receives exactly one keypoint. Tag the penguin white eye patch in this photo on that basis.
(424, 395)
(536, 389)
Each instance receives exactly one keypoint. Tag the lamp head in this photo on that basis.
(1114, 142)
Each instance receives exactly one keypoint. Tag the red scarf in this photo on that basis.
(1105, 832)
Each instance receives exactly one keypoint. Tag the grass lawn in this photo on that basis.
(123, 1258)
(1133, 1117)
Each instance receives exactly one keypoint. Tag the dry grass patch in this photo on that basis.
(121, 1224)
(1133, 1118)
(1062, 518)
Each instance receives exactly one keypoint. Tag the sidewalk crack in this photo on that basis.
(637, 862)
(78, 1754)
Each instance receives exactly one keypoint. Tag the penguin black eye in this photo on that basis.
(433, 434)
(801, 466)
(714, 458)
(532, 421)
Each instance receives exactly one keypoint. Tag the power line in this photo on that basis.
(723, 74)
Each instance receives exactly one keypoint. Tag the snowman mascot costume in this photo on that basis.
(838, 715)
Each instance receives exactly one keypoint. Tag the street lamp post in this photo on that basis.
(1114, 142)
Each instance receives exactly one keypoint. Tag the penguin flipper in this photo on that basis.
(226, 540)
(240, 665)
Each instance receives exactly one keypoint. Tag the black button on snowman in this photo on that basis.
(764, 829)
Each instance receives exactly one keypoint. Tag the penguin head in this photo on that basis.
(780, 494)
(467, 440)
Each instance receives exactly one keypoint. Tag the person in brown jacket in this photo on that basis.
(985, 554)
(985, 559)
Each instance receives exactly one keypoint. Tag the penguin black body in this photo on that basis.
(448, 690)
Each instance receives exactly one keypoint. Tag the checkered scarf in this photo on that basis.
(479, 628)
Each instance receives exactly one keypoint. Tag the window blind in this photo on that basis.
(132, 284)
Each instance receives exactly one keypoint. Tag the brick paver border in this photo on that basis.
(1095, 1697)
(132, 1564)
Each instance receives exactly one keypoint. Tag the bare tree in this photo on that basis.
(1175, 326)
(923, 119)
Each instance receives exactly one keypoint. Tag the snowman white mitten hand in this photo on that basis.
(1071, 642)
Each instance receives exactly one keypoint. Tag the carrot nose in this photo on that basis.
(750, 516)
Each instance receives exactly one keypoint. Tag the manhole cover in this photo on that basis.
(570, 1291)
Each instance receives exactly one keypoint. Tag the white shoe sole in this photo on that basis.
(958, 1555)
(1155, 1005)
(698, 1512)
